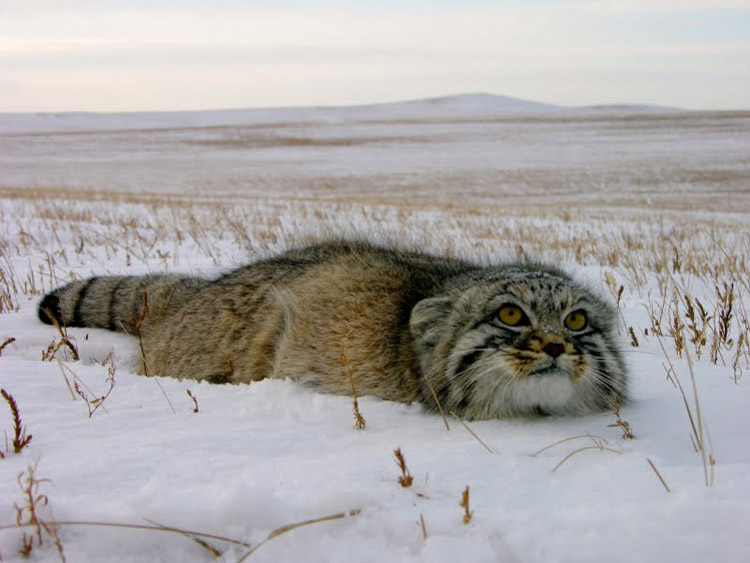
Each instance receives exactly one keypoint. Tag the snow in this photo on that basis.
(255, 458)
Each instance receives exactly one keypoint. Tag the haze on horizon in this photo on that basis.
(87, 55)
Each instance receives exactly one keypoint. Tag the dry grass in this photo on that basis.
(137, 326)
(599, 444)
(290, 527)
(93, 403)
(29, 514)
(6, 342)
(468, 514)
(627, 432)
(194, 399)
(49, 354)
(699, 434)
(405, 479)
(346, 363)
(28, 517)
(20, 438)
(474, 434)
(658, 474)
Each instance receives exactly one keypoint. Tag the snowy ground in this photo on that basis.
(652, 200)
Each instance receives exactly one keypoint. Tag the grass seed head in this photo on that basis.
(405, 479)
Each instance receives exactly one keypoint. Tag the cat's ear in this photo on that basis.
(428, 320)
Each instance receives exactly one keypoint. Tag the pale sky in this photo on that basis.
(106, 55)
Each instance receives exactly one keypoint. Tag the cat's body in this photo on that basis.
(487, 341)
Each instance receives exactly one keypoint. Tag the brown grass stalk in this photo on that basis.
(426, 379)
(633, 338)
(599, 444)
(64, 340)
(213, 550)
(7, 341)
(405, 479)
(28, 515)
(468, 514)
(94, 403)
(663, 482)
(154, 527)
(194, 399)
(627, 433)
(290, 527)
(698, 431)
(137, 325)
(359, 421)
(468, 428)
(20, 439)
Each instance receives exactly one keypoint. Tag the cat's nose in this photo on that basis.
(554, 349)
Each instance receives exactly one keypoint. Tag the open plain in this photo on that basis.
(650, 205)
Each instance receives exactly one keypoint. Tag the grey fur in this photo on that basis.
(401, 325)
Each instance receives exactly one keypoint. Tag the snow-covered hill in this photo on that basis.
(463, 106)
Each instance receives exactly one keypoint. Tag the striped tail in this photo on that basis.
(115, 302)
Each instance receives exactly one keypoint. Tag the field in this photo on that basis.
(651, 206)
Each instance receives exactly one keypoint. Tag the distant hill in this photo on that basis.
(461, 106)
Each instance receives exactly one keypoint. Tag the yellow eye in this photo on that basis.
(512, 315)
(576, 321)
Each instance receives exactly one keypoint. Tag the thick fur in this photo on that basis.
(400, 325)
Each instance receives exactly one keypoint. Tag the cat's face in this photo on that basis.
(518, 341)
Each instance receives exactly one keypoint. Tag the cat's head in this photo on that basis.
(515, 340)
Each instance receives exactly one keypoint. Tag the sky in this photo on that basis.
(106, 55)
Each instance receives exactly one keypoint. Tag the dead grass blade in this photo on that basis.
(215, 553)
(663, 482)
(137, 325)
(437, 401)
(8, 341)
(290, 527)
(127, 526)
(468, 514)
(468, 428)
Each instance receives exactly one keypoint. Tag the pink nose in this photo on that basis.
(554, 349)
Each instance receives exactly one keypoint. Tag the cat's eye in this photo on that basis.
(512, 315)
(576, 321)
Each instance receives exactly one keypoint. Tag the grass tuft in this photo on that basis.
(94, 403)
(49, 354)
(29, 515)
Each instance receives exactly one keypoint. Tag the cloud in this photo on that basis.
(532, 49)
(651, 6)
